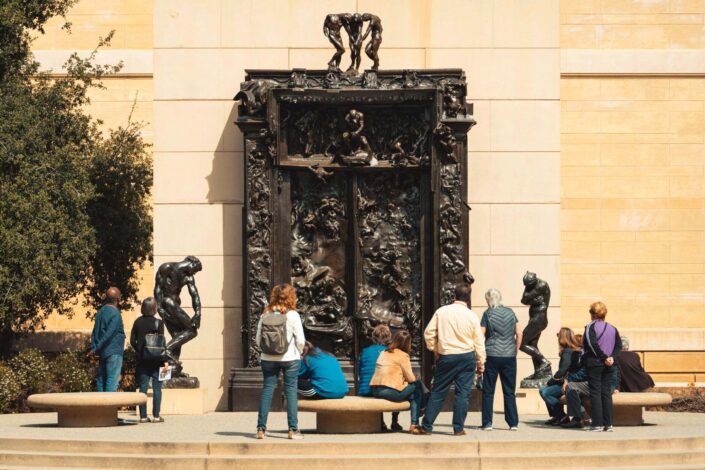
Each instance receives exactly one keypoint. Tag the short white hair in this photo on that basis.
(493, 298)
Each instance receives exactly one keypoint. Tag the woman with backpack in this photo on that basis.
(146, 332)
(601, 344)
(280, 336)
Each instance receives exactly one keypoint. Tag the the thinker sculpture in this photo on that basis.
(353, 24)
(170, 279)
(359, 150)
(537, 295)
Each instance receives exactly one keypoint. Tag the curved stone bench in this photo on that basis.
(87, 409)
(350, 415)
(629, 406)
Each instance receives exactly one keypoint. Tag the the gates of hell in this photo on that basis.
(356, 195)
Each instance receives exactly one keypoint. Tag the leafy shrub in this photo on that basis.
(10, 390)
(71, 373)
(32, 371)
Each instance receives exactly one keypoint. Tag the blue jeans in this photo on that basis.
(506, 369)
(457, 369)
(413, 393)
(109, 369)
(144, 373)
(270, 371)
(552, 396)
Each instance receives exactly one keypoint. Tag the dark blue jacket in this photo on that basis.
(108, 335)
(325, 374)
(368, 362)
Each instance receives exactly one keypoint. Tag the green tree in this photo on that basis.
(74, 210)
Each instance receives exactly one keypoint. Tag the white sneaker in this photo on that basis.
(609, 429)
(513, 428)
(594, 429)
(296, 435)
(487, 428)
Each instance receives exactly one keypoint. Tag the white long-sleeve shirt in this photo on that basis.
(294, 337)
(455, 329)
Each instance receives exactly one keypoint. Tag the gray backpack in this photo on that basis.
(273, 335)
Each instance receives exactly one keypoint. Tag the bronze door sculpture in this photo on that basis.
(355, 194)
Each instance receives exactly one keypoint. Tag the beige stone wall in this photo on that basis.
(127, 94)
(632, 24)
(632, 175)
(509, 49)
(616, 86)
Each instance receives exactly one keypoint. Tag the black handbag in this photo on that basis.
(154, 347)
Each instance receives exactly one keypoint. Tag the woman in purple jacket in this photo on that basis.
(601, 344)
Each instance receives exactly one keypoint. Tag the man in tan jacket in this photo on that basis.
(455, 336)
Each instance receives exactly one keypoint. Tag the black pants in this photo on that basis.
(599, 383)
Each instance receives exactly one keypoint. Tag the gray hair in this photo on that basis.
(625, 343)
(149, 307)
(493, 298)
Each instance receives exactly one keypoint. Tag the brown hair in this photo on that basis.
(579, 338)
(282, 299)
(402, 340)
(567, 339)
(598, 310)
(382, 335)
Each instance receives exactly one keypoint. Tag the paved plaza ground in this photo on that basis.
(240, 427)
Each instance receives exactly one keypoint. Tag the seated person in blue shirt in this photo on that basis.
(320, 375)
(381, 337)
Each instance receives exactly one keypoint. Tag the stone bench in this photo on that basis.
(350, 414)
(629, 407)
(87, 409)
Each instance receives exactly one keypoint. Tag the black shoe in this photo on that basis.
(396, 427)
(552, 422)
(562, 421)
(574, 423)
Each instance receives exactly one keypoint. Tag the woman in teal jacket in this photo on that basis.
(320, 375)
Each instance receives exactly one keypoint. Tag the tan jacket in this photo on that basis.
(455, 329)
(393, 370)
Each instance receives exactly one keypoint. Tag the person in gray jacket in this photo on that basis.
(503, 337)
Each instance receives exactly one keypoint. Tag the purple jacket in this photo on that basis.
(600, 341)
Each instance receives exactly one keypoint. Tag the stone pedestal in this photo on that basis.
(529, 402)
(87, 417)
(180, 401)
(348, 423)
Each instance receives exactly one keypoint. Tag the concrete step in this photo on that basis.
(343, 461)
(422, 446)
(585, 460)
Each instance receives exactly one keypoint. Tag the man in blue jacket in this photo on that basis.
(108, 342)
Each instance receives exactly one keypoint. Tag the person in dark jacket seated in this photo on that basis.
(320, 375)
(147, 369)
(569, 363)
(632, 376)
(381, 337)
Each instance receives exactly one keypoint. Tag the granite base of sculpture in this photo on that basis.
(537, 295)
(171, 278)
